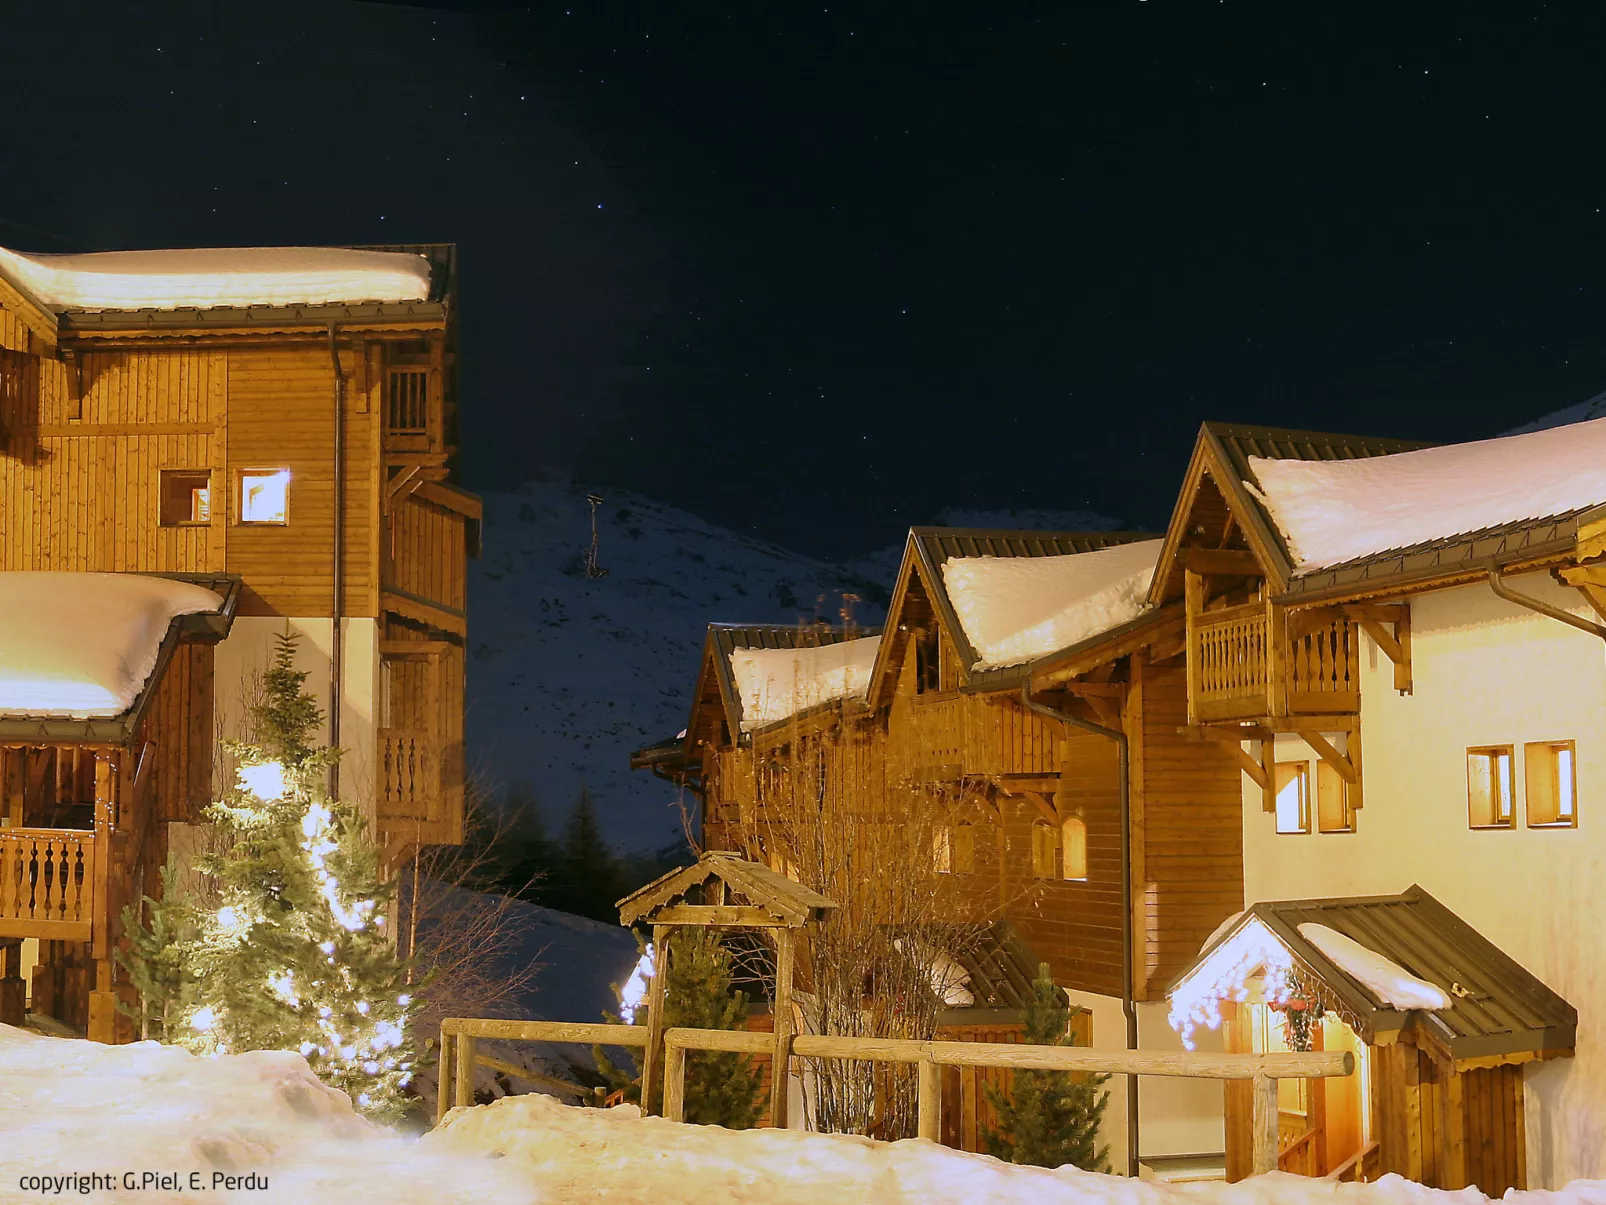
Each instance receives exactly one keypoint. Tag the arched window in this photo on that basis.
(1073, 848)
(1043, 842)
(942, 852)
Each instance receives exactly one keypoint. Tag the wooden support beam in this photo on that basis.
(781, 1060)
(1263, 1157)
(929, 1102)
(1044, 808)
(1220, 562)
(1194, 597)
(729, 915)
(653, 1058)
(1251, 767)
(1268, 770)
(1329, 754)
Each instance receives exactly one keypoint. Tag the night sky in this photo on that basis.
(816, 272)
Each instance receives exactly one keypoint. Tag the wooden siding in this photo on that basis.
(1448, 1128)
(180, 725)
(1188, 829)
(79, 476)
(281, 415)
(13, 334)
(428, 553)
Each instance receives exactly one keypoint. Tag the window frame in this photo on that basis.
(1328, 778)
(240, 474)
(1494, 752)
(1547, 751)
(1301, 766)
(1044, 871)
(162, 478)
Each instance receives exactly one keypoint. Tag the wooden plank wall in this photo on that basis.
(1187, 810)
(13, 334)
(429, 552)
(180, 723)
(78, 478)
(1447, 1128)
(281, 416)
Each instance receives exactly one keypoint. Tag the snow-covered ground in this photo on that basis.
(615, 1155)
(74, 1108)
(568, 674)
(71, 1108)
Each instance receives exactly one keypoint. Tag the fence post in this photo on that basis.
(930, 1100)
(1264, 1148)
(464, 1066)
(443, 1076)
(674, 1081)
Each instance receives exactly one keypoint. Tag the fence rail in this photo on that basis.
(459, 1035)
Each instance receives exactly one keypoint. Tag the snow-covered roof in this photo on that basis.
(81, 645)
(204, 278)
(1334, 511)
(1391, 983)
(774, 684)
(1016, 609)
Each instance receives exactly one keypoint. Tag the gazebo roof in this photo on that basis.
(773, 900)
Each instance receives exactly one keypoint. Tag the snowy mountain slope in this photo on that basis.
(567, 674)
(1578, 412)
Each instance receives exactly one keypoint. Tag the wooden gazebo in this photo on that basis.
(734, 894)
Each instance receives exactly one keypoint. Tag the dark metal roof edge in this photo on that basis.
(221, 317)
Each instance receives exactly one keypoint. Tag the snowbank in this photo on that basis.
(220, 276)
(1333, 511)
(80, 645)
(1391, 983)
(1015, 609)
(620, 1157)
(69, 1106)
(777, 683)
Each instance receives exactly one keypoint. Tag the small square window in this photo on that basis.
(1489, 787)
(1293, 797)
(1552, 780)
(1333, 812)
(264, 495)
(186, 497)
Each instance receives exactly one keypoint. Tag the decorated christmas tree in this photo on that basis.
(721, 1088)
(297, 956)
(1049, 1118)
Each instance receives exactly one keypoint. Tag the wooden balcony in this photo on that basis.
(410, 785)
(1245, 662)
(47, 883)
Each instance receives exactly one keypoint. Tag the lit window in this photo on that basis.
(942, 851)
(1293, 797)
(963, 849)
(1073, 848)
(186, 497)
(1042, 850)
(1552, 780)
(264, 495)
(1489, 787)
(1333, 812)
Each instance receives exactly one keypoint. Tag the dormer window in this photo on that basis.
(265, 496)
(186, 497)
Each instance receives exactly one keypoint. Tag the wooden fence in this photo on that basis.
(458, 1058)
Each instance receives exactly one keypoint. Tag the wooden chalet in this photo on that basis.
(1446, 605)
(278, 424)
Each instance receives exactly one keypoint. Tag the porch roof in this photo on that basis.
(81, 654)
(1497, 1007)
(789, 904)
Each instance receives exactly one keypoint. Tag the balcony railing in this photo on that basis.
(47, 883)
(409, 775)
(1244, 667)
(952, 735)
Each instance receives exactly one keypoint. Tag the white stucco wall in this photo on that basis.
(1485, 672)
(250, 647)
(1175, 1116)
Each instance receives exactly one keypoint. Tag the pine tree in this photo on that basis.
(586, 879)
(721, 1088)
(297, 957)
(157, 960)
(1049, 1118)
